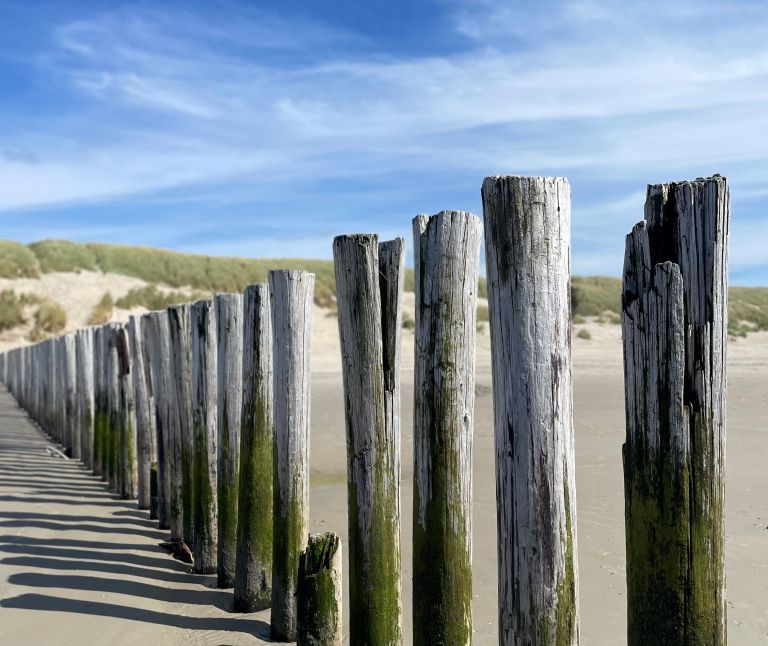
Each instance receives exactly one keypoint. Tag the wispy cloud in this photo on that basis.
(181, 106)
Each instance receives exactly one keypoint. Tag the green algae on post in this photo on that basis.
(319, 592)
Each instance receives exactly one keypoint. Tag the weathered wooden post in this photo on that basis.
(446, 258)
(204, 418)
(99, 397)
(319, 592)
(129, 468)
(85, 393)
(229, 320)
(369, 285)
(674, 324)
(253, 569)
(69, 377)
(291, 296)
(156, 336)
(112, 439)
(527, 243)
(181, 351)
(144, 418)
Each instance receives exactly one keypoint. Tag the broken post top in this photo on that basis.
(685, 223)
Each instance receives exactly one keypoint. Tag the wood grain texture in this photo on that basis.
(69, 379)
(110, 457)
(157, 340)
(446, 260)
(369, 279)
(291, 296)
(145, 428)
(674, 324)
(128, 451)
(253, 570)
(204, 420)
(229, 321)
(527, 242)
(85, 393)
(181, 353)
(319, 592)
(99, 396)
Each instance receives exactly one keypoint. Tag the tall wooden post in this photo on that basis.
(204, 419)
(85, 393)
(229, 319)
(253, 570)
(291, 295)
(446, 258)
(319, 592)
(369, 284)
(129, 468)
(156, 336)
(527, 243)
(181, 352)
(69, 378)
(674, 324)
(99, 397)
(145, 427)
(112, 435)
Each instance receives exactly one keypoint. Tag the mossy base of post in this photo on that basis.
(153, 491)
(319, 592)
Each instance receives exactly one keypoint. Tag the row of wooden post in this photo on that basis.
(202, 413)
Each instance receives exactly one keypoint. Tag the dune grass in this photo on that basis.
(11, 310)
(153, 298)
(102, 312)
(50, 319)
(594, 296)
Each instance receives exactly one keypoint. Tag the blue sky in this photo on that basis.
(265, 128)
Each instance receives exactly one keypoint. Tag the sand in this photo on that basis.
(79, 567)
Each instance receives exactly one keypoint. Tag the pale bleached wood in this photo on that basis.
(319, 592)
(446, 259)
(99, 397)
(674, 324)
(112, 436)
(527, 243)
(145, 427)
(291, 296)
(69, 378)
(128, 464)
(157, 339)
(229, 321)
(204, 418)
(181, 352)
(85, 393)
(253, 569)
(369, 296)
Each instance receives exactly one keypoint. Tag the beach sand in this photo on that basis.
(78, 566)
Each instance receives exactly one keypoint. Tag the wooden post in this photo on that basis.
(99, 397)
(229, 320)
(69, 377)
(527, 243)
(156, 336)
(204, 418)
(253, 569)
(319, 592)
(144, 418)
(446, 258)
(129, 468)
(181, 351)
(112, 435)
(291, 296)
(85, 393)
(674, 324)
(369, 284)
